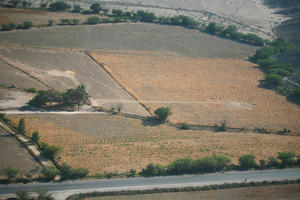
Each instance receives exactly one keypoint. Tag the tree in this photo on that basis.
(213, 28)
(93, 20)
(52, 151)
(65, 171)
(27, 25)
(96, 8)
(11, 172)
(25, 4)
(163, 113)
(117, 12)
(274, 79)
(77, 96)
(44, 195)
(8, 27)
(181, 166)
(75, 21)
(153, 170)
(76, 9)
(105, 11)
(44, 97)
(21, 127)
(287, 158)
(23, 195)
(51, 22)
(247, 161)
(35, 137)
(59, 6)
(14, 3)
(49, 173)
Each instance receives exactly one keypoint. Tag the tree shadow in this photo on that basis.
(151, 121)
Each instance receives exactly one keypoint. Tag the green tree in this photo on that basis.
(21, 127)
(11, 172)
(96, 8)
(51, 22)
(247, 161)
(75, 21)
(44, 195)
(35, 137)
(23, 195)
(76, 9)
(8, 27)
(153, 170)
(14, 3)
(287, 158)
(163, 113)
(180, 166)
(77, 96)
(273, 79)
(65, 171)
(44, 97)
(117, 12)
(59, 6)
(93, 20)
(52, 151)
(26, 4)
(49, 173)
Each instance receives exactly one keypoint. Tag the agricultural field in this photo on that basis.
(276, 192)
(110, 143)
(202, 91)
(62, 70)
(37, 17)
(13, 154)
(130, 36)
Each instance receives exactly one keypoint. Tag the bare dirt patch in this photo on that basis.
(276, 192)
(202, 91)
(13, 154)
(112, 143)
(131, 36)
(10, 99)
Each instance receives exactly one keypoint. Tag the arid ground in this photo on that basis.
(277, 192)
(113, 143)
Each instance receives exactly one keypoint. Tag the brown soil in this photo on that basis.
(112, 143)
(276, 192)
(202, 91)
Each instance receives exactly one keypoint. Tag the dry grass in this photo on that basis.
(201, 91)
(37, 17)
(113, 143)
(274, 192)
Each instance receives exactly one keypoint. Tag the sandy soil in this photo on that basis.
(128, 36)
(112, 143)
(277, 192)
(202, 91)
(10, 99)
(12, 154)
(65, 69)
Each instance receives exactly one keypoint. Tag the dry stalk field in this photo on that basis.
(201, 91)
(113, 143)
(13, 154)
(275, 192)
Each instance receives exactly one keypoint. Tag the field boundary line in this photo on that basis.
(124, 88)
(35, 153)
(14, 65)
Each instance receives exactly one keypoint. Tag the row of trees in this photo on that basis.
(15, 3)
(11, 26)
(70, 97)
(218, 163)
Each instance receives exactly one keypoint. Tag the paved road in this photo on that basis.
(62, 190)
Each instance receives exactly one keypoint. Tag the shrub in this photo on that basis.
(185, 126)
(31, 90)
(223, 126)
(35, 137)
(247, 161)
(180, 166)
(59, 6)
(287, 158)
(273, 79)
(273, 162)
(23, 195)
(21, 127)
(163, 113)
(52, 151)
(27, 25)
(117, 12)
(93, 20)
(75, 21)
(262, 164)
(65, 21)
(8, 27)
(153, 170)
(51, 22)
(11, 172)
(76, 9)
(79, 173)
(96, 7)
(295, 95)
(49, 173)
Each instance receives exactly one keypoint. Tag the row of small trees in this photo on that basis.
(11, 26)
(219, 163)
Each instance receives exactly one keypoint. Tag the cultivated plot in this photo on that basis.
(62, 70)
(202, 91)
(13, 154)
(113, 143)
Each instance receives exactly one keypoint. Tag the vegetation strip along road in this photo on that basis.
(61, 190)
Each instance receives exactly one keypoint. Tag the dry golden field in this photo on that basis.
(101, 142)
(201, 90)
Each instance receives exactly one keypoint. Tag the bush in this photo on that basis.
(8, 27)
(163, 113)
(117, 12)
(59, 6)
(93, 20)
(247, 162)
(31, 90)
(96, 8)
(11, 172)
(79, 173)
(49, 173)
(288, 159)
(223, 126)
(27, 25)
(273, 162)
(51, 22)
(52, 151)
(75, 21)
(35, 137)
(180, 166)
(23, 195)
(65, 21)
(76, 9)
(21, 127)
(153, 170)
(273, 79)
(185, 126)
